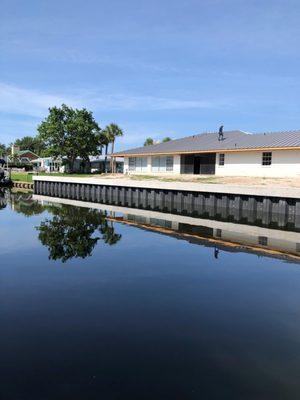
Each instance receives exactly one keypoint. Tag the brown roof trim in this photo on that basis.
(204, 151)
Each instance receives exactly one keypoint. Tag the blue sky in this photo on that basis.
(157, 68)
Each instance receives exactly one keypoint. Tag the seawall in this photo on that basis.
(261, 206)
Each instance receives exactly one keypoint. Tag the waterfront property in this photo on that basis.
(234, 153)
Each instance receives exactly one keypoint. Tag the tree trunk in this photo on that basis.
(71, 164)
(105, 160)
(111, 158)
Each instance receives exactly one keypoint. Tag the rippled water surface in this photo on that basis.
(99, 304)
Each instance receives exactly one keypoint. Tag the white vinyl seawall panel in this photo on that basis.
(285, 163)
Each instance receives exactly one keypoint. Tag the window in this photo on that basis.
(221, 159)
(138, 164)
(155, 164)
(162, 164)
(169, 163)
(267, 158)
(131, 163)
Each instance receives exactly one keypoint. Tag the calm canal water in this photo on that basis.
(100, 304)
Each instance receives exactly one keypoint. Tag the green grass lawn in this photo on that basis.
(27, 176)
(21, 177)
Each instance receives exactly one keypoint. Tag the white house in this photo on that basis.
(237, 153)
(48, 164)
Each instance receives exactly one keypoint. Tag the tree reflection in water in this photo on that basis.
(3, 199)
(20, 202)
(73, 232)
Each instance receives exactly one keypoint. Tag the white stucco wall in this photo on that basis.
(285, 163)
(126, 161)
(176, 166)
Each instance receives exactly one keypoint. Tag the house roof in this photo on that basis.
(233, 141)
(22, 152)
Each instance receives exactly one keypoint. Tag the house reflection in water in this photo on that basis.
(283, 242)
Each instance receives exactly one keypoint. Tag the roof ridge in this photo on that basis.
(277, 132)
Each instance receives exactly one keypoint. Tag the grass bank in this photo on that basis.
(27, 176)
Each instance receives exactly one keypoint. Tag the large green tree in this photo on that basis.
(166, 139)
(32, 143)
(70, 133)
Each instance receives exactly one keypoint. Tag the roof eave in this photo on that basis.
(205, 151)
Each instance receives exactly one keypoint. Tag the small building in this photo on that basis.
(98, 163)
(235, 153)
(48, 164)
(26, 156)
(21, 156)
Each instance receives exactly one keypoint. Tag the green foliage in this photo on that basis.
(3, 150)
(111, 132)
(32, 143)
(149, 141)
(74, 232)
(24, 204)
(71, 133)
(166, 139)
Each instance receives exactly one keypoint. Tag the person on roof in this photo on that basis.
(221, 135)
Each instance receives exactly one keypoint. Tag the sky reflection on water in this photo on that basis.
(140, 315)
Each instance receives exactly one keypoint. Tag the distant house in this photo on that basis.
(48, 164)
(26, 156)
(235, 153)
(21, 156)
(96, 164)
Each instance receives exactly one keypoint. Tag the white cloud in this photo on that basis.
(21, 101)
(17, 100)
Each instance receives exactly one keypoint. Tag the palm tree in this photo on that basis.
(166, 139)
(149, 141)
(113, 131)
(105, 140)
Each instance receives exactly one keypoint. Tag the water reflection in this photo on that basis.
(74, 232)
(70, 232)
(175, 313)
(20, 202)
